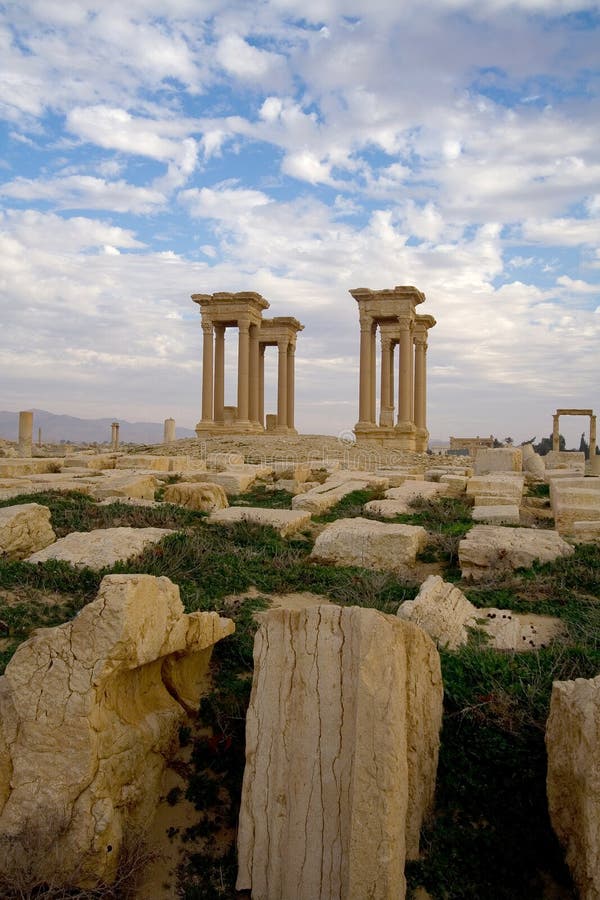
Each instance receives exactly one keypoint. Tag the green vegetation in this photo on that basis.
(489, 835)
(260, 496)
(350, 506)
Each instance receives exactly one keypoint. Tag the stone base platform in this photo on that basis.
(404, 436)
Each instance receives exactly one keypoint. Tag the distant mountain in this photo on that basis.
(57, 428)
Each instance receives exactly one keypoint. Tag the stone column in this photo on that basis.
(207, 372)
(291, 385)
(391, 396)
(219, 408)
(261, 384)
(386, 413)
(592, 437)
(39, 437)
(420, 394)
(169, 434)
(282, 397)
(114, 436)
(405, 373)
(556, 432)
(243, 392)
(373, 378)
(25, 433)
(366, 327)
(253, 385)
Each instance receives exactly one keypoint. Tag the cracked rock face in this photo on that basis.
(201, 496)
(88, 712)
(374, 545)
(342, 739)
(573, 781)
(101, 547)
(24, 529)
(491, 548)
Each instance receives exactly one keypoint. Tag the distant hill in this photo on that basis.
(57, 428)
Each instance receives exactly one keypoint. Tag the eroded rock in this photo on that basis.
(201, 496)
(101, 547)
(88, 712)
(364, 542)
(489, 549)
(24, 529)
(342, 741)
(285, 521)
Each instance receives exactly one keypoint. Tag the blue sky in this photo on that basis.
(301, 149)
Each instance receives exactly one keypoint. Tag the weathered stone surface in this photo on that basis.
(12, 468)
(24, 529)
(488, 549)
(496, 490)
(374, 545)
(155, 463)
(496, 515)
(101, 547)
(201, 496)
(224, 460)
(457, 484)
(574, 500)
(140, 487)
(443, 611)
(397, 477)
(88, 712)
(501, 459)
(233, 482)
(285, 521)
(417, 490)
(586, 532)
(573, 780)
(96, 462)
(341, 754)
(324, 496)
(534, 465)
(565, 459)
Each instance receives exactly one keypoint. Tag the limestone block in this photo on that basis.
(397, 500)
(24, 529)
(139, 487)
(442, 610)
(397, 477)
(285, 521)
(574, 500)
(488, 549)
(101, 547)
(323, 497)
(97, 462)
(13, 468)
(496, 490)
(375, 545)
(501, 459)
(586, 532)
(202, 496)
(565, 459)
(388, 509)
(221, 460)
(292, 471)
(233, 482)
(144, 461)
(573, 780)
(457, 484)
(496, 515)
(342, 739)
(534, 465)
(88, 712)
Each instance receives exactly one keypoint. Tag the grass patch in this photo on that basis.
(350, 506)
(260, 496)
(540, 489)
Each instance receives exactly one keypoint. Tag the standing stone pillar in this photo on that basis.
(219, 407)
(282, 397)
(25, 433)
(253, 385)
(169, 433)
(366, 328)
(421, 392)
(391, 395)
(291, 385)
(39, 437)
(405, 373)
(114, 436)
(592, 437)
(386, 413)
(556, 432)
(373, 376)
(207, 372)
(261, 384)
(243, 391)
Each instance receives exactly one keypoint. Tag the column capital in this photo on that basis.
(283, 345)
(405, 323)
(386, 341)
(420, 340)
(207, 327)
(366, 322)
(244, 325)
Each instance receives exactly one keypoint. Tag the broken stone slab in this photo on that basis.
(24, 529)
(374, 545)
(566, 459)
(501, 459)
(95, 462)
(101, 547)
(397, 500)
(448, 617)
(222, 460)
(201, 496)
(140, 487)
(285, 521)
(322, 498)
(397, 477)
(457, 484)
(13, 468)
(586, 532)
(574, 500)
(496, 515)
(489, 549)
(88, 713)
(388, 509)
(232, 482)
(534, 465)
(342, 738)
(496, 490)
(573, 779)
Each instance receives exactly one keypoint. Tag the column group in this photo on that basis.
(244, 311)
(392, 312)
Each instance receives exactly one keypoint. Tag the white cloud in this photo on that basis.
(565, 232)
(244, 61)
(86, 192)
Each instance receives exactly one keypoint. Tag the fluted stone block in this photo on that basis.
(342, 741)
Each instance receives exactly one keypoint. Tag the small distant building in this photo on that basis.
(471, 444)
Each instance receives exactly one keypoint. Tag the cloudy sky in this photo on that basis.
(301, 148)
